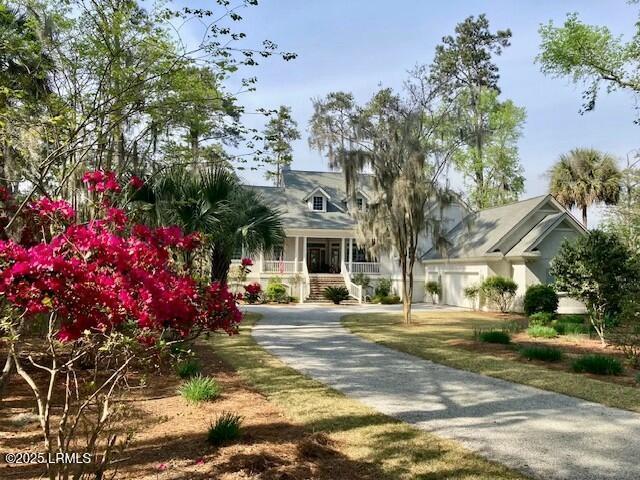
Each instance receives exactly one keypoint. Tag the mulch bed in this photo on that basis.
(572, 346)
(169, 442)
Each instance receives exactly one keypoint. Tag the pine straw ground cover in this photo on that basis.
(447, 338)
(170, 440)
(394, 449)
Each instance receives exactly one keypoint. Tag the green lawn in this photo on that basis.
(430, 333)
(399, 450)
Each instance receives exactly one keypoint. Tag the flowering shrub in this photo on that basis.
(252, 292)
(113, 296)
(95, 277)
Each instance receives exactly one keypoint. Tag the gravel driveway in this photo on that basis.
(544, 434)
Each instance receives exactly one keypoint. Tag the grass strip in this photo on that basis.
(399, 450)
(427, 338)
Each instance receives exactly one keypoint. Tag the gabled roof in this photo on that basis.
(531, 239)
(299, 185)
(317, 190)
(494, 232)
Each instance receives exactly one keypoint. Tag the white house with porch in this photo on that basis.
(516, 240)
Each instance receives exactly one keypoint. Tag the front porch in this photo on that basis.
(316, 255)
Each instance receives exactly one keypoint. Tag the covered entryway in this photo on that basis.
(323, 255)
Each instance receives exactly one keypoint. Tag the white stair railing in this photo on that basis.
(305, 287)
(355, 291)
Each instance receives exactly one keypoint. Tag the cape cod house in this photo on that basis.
(516, 240)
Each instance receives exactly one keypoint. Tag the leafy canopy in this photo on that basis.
(485, 128)
(590, 55)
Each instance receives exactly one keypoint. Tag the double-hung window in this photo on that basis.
(318, 204)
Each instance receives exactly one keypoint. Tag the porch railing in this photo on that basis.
(371, 268)
(306, 284)
(354, 290)
(277, 266)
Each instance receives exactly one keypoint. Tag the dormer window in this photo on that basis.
(359, 203)
(318, 204)
(317, 200)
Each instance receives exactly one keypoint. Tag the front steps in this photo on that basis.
(318, 282)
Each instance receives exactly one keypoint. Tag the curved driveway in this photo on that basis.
(544, 434)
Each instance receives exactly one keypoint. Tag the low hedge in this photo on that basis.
(546, 354)
(598, 364)
(494, 336)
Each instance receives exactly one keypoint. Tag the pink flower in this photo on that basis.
(199, 461)
(136, 182)
(46, 208)
(99, 181)
(247, 262)
(162, 467)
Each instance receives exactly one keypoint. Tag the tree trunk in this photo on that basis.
(6, 373)
(584, 216)
(407, 293)
(219, 266)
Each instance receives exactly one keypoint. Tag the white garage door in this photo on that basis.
(453, 285)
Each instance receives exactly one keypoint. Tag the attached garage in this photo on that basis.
(453, 285)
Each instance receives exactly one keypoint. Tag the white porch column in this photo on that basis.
(261, 262)
(304, 249)
(350, 255)
(295, 265)
(341, 251)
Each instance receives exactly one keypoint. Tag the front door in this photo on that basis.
(315, 259)
(335, 258)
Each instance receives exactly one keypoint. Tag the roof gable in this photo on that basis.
(510, 229)
(315, 191)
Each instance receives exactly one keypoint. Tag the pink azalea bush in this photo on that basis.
(96, 276)
(252, 292)
(113, 294)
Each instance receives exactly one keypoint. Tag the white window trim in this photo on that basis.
(324, 203)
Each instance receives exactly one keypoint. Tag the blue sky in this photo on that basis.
(358, 45)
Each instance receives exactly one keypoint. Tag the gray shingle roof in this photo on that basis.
(530, 238)
(479, 232)
(298, 184)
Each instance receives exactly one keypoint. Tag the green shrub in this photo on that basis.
(499, 291)
(573, 318)
(599, 270)
(540, 331)
(188, 368)
(598, 364)
(494, 336)
(383, 287)
(559, 327)
(276, 291)
(336, 294)
(200, 389)
(390, 300)
(432, 288)
(638, 378)
(546, 354)
(362, 279)
(541, 318)
(225, 428)
(540, 298)
(569, 328)
(472, 292)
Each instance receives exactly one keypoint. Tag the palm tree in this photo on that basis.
(583, 177)
(24, 73)
(214, 203)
